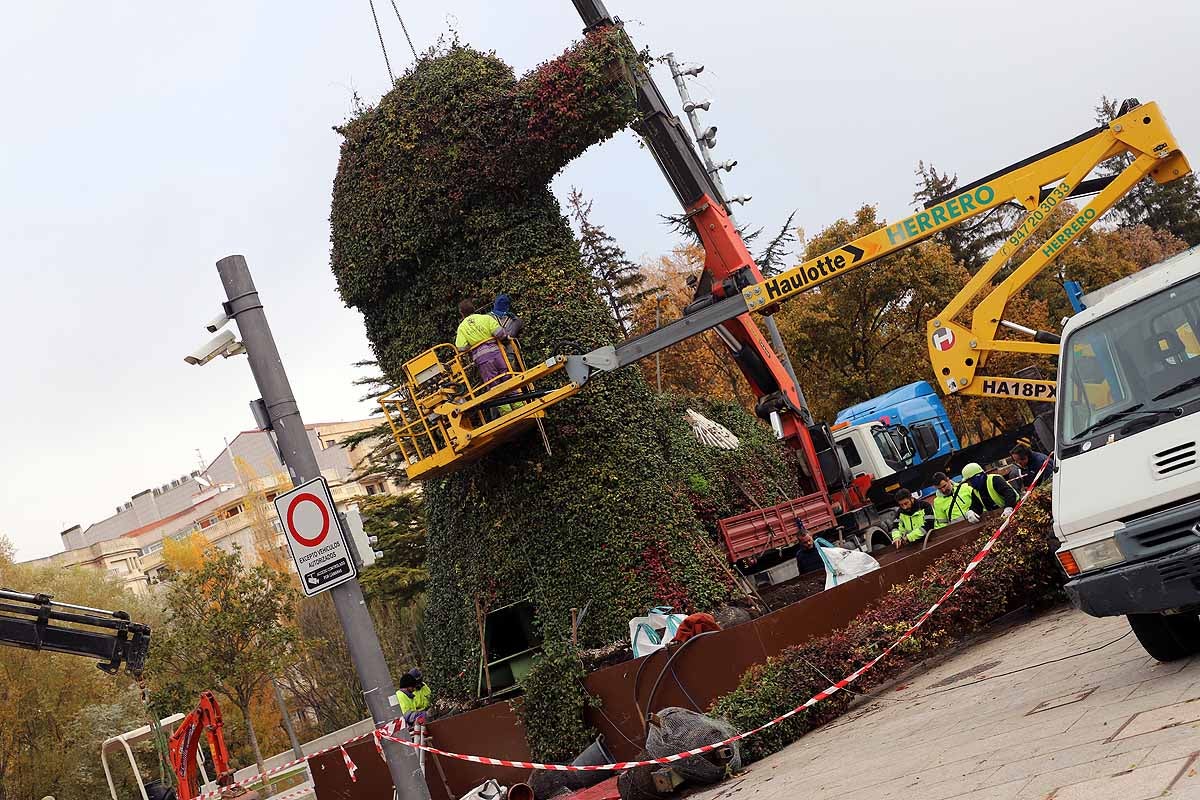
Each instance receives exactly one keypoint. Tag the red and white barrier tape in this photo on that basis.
(392, 727)
(812, 701)
(388, 731)
(350, 766)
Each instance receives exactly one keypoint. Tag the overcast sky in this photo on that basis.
(145, 140)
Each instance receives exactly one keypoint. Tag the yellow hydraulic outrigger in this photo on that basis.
(442, 419)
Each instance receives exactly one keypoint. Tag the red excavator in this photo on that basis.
(183, 750)
(184, 746)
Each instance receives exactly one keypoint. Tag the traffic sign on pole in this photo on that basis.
(315, 537)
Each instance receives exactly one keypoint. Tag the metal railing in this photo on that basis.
(438, 376)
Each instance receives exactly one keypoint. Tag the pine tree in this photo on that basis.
(618, 279)
(1173, 206)
(970, 243)
(399, 522)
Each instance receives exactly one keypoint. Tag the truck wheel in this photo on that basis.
(1167, 637)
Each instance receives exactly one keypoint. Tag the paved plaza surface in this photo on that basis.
(1112, 723)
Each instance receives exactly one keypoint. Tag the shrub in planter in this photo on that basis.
(1020, 570)
(553, 705)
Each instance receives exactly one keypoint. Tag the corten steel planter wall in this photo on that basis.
(710, 668)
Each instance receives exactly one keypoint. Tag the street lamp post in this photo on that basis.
(283, 417)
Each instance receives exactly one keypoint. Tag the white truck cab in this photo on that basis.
(873, 448)
(1127, 473)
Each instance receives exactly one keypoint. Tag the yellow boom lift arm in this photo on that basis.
(442, 418)
(956, 351)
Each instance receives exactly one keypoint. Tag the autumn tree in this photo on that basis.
(260, 513)
(323, 678)
(1173, 207)
(228, 629)
(185, 554)
(1099, 257)
(864, 333)
(700, 366)
(618, 279)
(56, 709)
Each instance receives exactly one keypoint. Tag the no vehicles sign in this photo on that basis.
(315, 537)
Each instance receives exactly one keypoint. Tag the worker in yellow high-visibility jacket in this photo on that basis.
(414, 698)
(954, 501)
(479, 334)
(914, 519)
(992, 489)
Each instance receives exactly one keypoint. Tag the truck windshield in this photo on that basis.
(1136, 360)
(890, 448)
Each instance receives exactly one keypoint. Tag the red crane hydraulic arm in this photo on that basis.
(728, 268)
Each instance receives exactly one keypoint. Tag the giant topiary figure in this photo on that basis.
(442, 194)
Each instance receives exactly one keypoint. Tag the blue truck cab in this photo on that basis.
(913, 412)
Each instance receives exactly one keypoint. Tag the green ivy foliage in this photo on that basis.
(1020, 570)
(441, 194)
(553, 705)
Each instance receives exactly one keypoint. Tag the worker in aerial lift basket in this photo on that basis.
(510, 323)
(480, 334)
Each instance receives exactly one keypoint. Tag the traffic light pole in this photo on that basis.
(245, 308)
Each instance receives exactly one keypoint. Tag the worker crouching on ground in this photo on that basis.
(993, 491)
(413, 697)
(954, 502)
(916, 517)
(480, 334)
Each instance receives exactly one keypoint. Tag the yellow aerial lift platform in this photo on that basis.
(1039, 184)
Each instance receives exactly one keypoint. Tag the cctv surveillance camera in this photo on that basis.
(211, 349)
(216, 323)
(703, 104)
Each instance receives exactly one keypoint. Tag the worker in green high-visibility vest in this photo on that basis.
(993, 490)
(913, 520)
(414, 698)
(954, 501)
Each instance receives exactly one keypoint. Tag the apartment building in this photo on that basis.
(228, 503)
